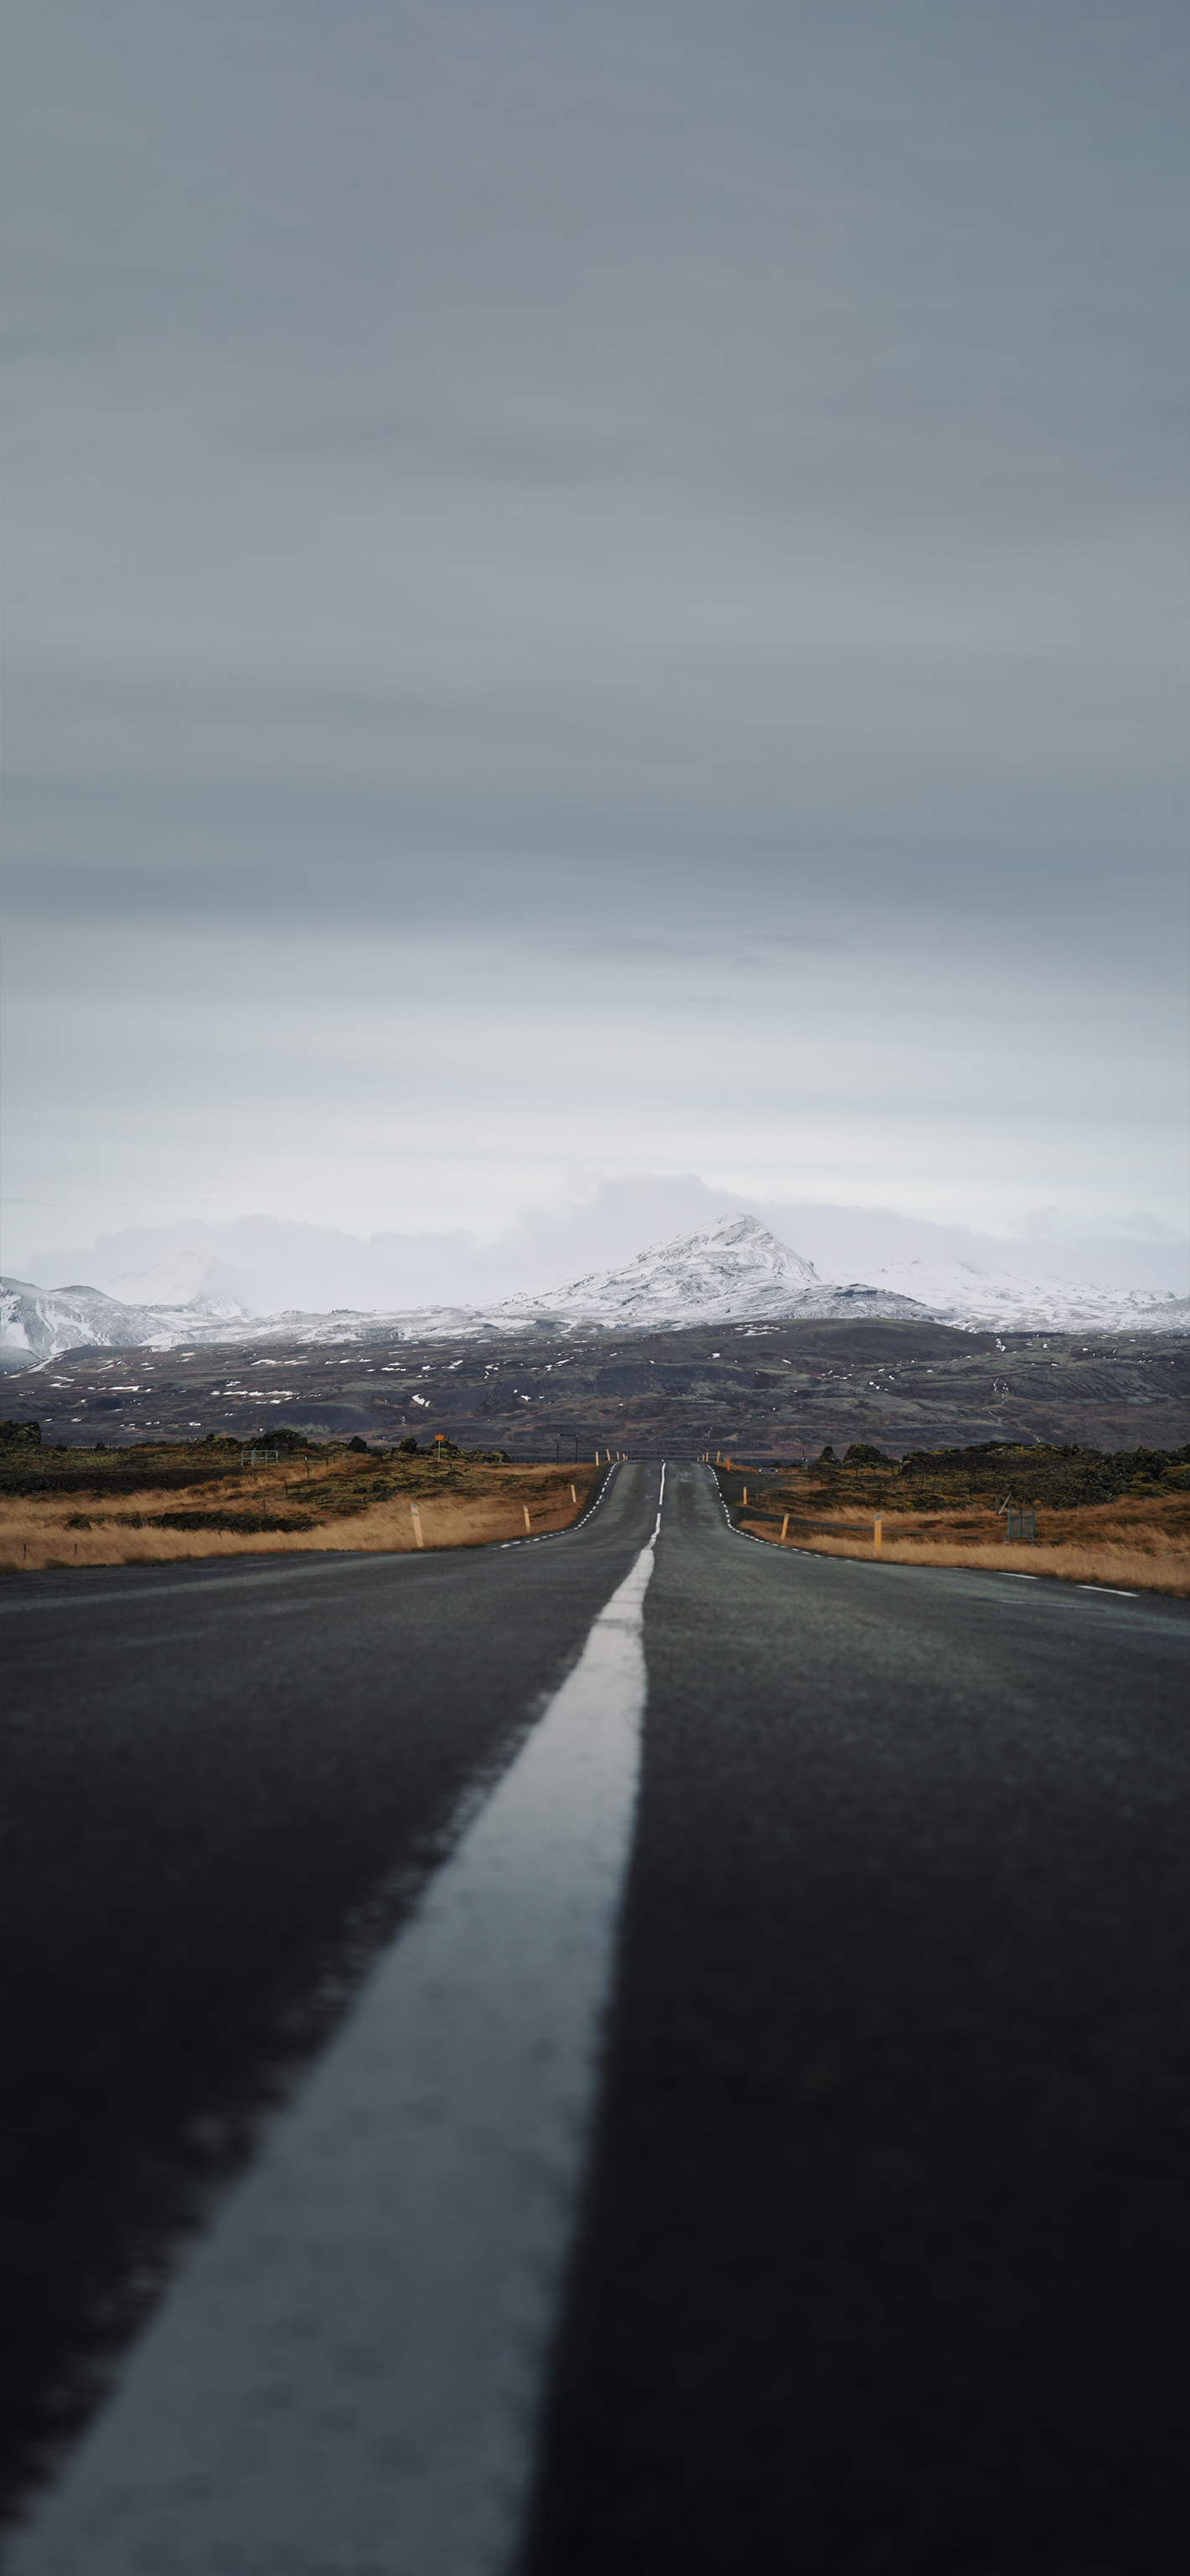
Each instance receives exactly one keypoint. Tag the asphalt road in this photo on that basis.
(885, 2266)
(883, 2253)
(224, 1787)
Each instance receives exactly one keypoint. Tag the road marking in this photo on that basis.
(345, 2373)
(1115, 1588)
(544, 1537)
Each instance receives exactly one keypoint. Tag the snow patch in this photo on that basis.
(731, 1272)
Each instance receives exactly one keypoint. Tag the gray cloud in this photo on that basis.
(698, 489)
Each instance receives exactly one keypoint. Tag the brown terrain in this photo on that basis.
(940, 1510)
(1120, 1517)
(170, 1505)
(771, 1390)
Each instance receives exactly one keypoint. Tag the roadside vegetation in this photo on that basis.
(1120, 1518)
(170, 1502)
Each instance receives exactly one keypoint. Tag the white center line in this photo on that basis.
(346, 2371)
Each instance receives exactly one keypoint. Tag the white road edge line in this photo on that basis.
(347, 2369)
(542, 1537)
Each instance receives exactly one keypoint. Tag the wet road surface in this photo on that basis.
(880, 2258)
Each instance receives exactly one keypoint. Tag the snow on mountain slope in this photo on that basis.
(732, 1272)
(995, 1300)
(40, 1323)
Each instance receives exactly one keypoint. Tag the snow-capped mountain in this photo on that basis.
(997, 1301)
(732, 1272)
(40, 1323)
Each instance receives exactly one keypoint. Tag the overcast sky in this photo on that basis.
(595, 590)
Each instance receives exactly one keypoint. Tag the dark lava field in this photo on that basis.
(780, 1390)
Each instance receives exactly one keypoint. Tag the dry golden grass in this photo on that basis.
(36, 1532)
(1130, 1547)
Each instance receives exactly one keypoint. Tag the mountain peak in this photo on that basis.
(733, 1267)
(732, 1271)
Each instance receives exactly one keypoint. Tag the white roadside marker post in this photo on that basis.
(525, 1509)
(418, 1540)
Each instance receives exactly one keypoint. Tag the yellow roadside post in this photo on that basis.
(784, 1525)
(525, 1509)
(573, 1495)
(878, 1532)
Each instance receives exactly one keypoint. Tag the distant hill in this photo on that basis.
(734, 1271)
